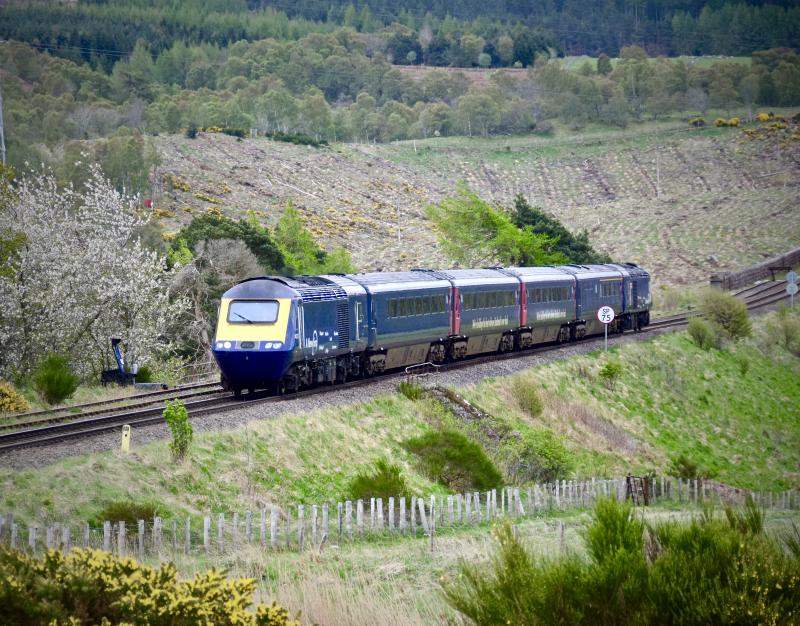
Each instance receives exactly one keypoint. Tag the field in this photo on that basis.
(683, 202)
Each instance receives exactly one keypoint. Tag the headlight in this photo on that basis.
(219, 345)
(227, 345)
(267, 345)
(277, 345)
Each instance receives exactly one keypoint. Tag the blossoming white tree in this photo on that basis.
(81, 276)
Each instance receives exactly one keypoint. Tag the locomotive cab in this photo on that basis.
(256, 334)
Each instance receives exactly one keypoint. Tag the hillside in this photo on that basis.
(684, 203)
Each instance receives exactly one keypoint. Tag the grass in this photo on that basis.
(734, 411)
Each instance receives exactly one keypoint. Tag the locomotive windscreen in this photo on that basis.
(253, 312)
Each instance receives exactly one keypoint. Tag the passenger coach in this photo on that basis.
(292, 332)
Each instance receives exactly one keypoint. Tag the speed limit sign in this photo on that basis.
(605, 314)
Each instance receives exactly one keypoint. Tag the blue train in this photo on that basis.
(286, 333)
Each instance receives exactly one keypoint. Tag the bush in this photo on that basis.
(784, 328)
(726, 313)
(191, 132)
(410, 390)
(684, 467)
(177, 419)
(54, 380)
(702, 333)
(382, 481)
(610, 373)
(94, 587)
(708, 571)
(527, 397)
(697, 122)
(537, 455)
(234, 132)
(11, 400)
(126, 511)
(451, 459)
(144, 375)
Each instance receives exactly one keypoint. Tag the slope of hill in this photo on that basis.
(685, 203)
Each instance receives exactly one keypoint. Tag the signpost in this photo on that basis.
(606, 315)
(126, 438)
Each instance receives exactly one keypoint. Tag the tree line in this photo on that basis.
(442, 32)
(326, 86)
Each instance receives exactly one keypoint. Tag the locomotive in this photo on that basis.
(287, 333)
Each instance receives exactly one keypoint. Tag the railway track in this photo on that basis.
(147, 408)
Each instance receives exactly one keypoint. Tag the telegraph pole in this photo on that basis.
(2, 131)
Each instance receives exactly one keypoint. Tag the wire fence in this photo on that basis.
(304, 527)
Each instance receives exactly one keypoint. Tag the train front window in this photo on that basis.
(253, 312)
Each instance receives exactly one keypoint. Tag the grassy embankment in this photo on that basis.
(734, 412)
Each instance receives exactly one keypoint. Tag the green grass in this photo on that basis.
(735, 411)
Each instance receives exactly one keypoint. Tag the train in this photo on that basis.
(288, 333)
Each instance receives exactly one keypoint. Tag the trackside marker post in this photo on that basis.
(126, 438)
(606, 315)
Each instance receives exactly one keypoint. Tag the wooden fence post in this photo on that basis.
(263, 527)
(107, 536)
(140, 538)
(441, 511)
(174, 536)
(157, 533)
(476, 499)
(14, 530)
(348, 518)
(86, 535)
(450, 511)
(206, 533)
(391, 514)
(187, 538)
(414, 515)
(372, 514)
(48, 537)
(313, 525)
(248, 526)
(379, 511)
(458, 509)
(339, 518)
(468, 507)
(360, 516)
(301, 526)
(287, 526)
(324, 523)
(273, 528)
(422, 516)
(121, 543)
(402, 515)
(65, 538)
(221, 530)
(235, 529)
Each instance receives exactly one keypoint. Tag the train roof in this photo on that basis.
(540, 274)
(586, 272)
(476, 277)
(376, 282)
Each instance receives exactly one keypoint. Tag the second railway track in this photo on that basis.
(144, 413)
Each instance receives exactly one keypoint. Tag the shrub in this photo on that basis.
(54, 380)
(734, 121)
(537, 455)
(727, 313)
(610, 373)
(703, 572)
(177, 419)
(749, 520)
(144, 375)
(451, 459)
(527, 397)
(380, 481)
(763, 117)
(784, 328)
(410, 390)
(697, 122)
(94, 587)
(11, 400)
(234, 132)
(702, 333)
(191, 132)
(684, 467)
(126, 511)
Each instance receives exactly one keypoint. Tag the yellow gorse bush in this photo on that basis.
(95, 587)
(11, 400)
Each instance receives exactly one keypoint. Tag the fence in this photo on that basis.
(749, 275)
(313, 526)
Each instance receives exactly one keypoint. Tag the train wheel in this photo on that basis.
(237, 392)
